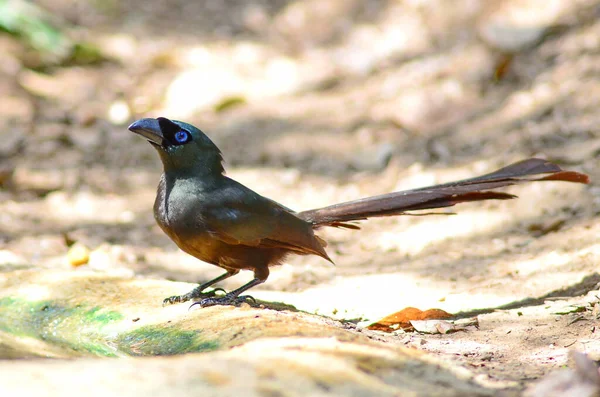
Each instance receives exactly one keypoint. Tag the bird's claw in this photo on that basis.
(172, 300)
(189, 296)
(224, 301)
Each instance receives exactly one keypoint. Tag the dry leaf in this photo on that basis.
(571, 309)
(433, 326)
(402, 319)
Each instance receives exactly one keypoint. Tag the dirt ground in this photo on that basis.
(314, 103)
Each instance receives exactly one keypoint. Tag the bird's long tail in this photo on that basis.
(439, 196)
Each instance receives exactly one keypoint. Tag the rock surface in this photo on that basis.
(249, 351)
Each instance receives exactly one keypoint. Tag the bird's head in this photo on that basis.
(181, 146)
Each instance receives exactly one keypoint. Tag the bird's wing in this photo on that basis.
(239, 216)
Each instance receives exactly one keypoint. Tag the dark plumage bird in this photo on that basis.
(222, 222)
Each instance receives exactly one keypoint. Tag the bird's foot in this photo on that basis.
(227, 300)
(193, 294)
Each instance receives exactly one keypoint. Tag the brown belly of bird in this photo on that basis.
(205, 247)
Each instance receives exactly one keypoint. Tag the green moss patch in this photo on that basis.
(159, 340)
(82, 330)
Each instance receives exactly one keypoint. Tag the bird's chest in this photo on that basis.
(184, 222)
(178, 210)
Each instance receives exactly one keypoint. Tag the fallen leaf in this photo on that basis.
(502, 67)
(433, 326)
(540, 229)
(571, 309)
(230, 102)
(402, 319)
(434, 314)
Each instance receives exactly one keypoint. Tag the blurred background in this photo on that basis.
(311, 102)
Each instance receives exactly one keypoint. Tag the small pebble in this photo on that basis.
(78, 255)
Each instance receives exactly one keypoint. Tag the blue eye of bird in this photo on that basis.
(181, 136)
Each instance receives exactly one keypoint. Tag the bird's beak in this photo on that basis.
(149, 129)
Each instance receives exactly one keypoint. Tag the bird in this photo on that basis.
(224, 223)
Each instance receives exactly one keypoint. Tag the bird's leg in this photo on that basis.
(197, 292)
(234, 297)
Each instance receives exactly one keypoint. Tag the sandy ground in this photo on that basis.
(315, 103)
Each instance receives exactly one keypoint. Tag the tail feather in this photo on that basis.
(440, 196)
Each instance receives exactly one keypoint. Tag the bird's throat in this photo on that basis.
(187, 164)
